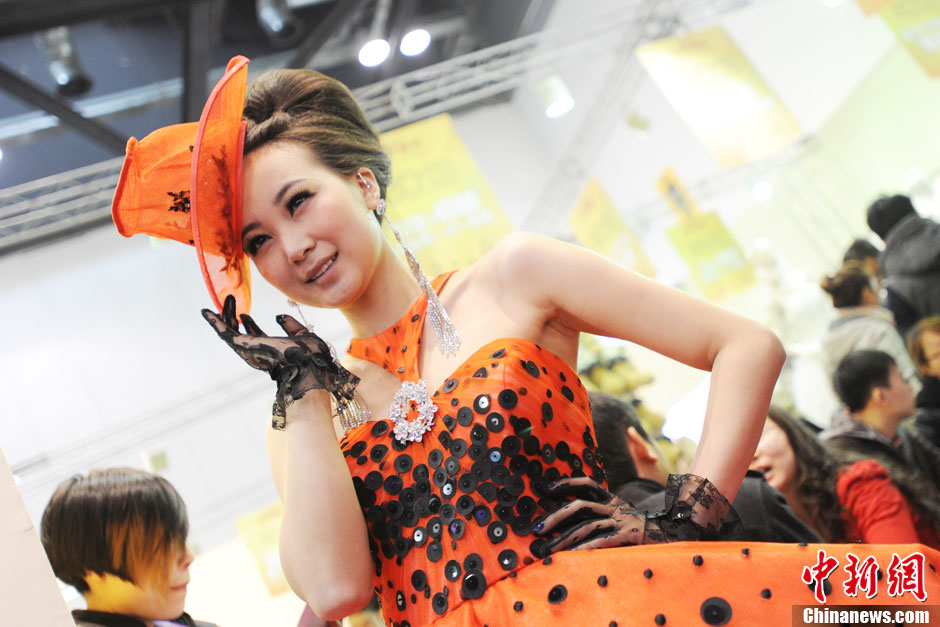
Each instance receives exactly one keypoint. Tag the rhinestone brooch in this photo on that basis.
(412, 396)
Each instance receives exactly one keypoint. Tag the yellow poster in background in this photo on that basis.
(676, 195)
(260, 531)
(917, 26)
(870, 7)
(597, 225)
(438, 199)
(720, 95)
(716, 262)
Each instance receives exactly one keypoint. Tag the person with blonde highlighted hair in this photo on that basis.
(119, 537)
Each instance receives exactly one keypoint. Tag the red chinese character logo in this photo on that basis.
(907, 575)
(861, 576)
(816, 575)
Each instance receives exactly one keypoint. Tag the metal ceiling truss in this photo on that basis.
(63, 204)
(196, 53)
(57, 206)
(21, 17)
(650, 21)
(29, 92)
(28, 127)
(305, 52)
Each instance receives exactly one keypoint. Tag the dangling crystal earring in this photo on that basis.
(448, 340)
(351, 412)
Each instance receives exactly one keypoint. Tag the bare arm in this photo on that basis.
(580, 291)
(324, 549)
(324, 545)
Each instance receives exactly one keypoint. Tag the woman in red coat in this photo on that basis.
(842, 501)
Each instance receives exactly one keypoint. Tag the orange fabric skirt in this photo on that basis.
(692, 584)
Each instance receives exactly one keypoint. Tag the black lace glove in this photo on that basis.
(695, 510)
(300, 362)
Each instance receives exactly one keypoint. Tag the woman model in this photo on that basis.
(479, 426)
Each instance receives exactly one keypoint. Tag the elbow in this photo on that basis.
(772, 348)
(776, 351)
(339, 599)
(332, 589)
(762, 346)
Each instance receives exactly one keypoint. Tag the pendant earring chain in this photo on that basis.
(448, 340)
(300, 312)
(351, 412)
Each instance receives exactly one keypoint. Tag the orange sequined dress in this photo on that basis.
(450, 517)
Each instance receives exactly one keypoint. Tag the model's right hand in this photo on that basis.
(299, 362)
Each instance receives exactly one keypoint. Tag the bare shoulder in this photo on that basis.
(517, 264)
(500, 295)
(518, 251)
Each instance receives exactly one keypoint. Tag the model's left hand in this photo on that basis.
(595, 519)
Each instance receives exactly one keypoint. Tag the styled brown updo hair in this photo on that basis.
(847, 285)
(320, 112)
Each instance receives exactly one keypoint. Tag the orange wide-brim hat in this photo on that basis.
(184, 182)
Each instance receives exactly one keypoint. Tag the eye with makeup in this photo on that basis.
(296, 201)
(253, 244)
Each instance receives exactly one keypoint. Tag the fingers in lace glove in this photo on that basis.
(251, 327)
(594, 519)
(695, 510)
(591, 501)
(254, 353)
(290, 325)
(583, 488)
(607, 527)
(624, 527)
(311, 349)
(300, 362)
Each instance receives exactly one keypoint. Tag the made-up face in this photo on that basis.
(149, 599)
(310, 231)
(774, 457)
(930, 341)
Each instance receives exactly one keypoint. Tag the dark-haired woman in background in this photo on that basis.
(841, 500)
(119, 537)
(861, 322)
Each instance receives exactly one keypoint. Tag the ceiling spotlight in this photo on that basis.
(374, 52)
(71, 80)
(555, 96)
(283, 28)
(415, 42)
